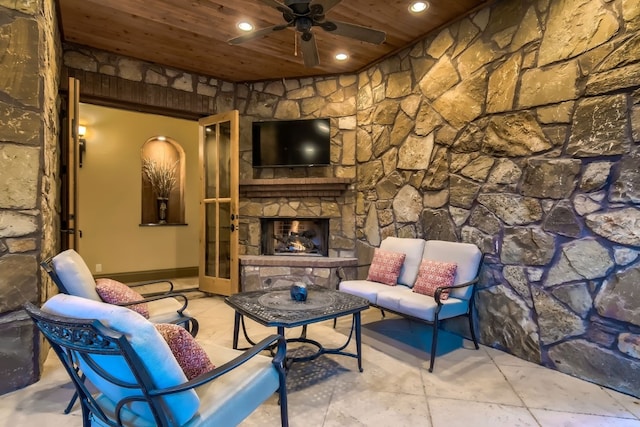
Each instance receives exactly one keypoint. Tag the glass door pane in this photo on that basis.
(219, 269)
(224, 160)
(210, 162)
(211, 247)
(224, 237)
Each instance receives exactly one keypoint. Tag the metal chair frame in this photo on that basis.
(83, 339)
(188, 322)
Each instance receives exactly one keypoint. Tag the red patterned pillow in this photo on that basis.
(434, 274)
(385, 266)
(190, 356)
(113, 292)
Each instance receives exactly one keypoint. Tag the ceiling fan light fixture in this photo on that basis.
(341, 56)
(418, 7)
(245, 26)
(302, 16)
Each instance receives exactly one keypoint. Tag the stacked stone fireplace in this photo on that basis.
(298, 229)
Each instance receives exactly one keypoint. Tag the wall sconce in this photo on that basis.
(82, 142)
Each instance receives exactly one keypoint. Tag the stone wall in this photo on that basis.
(518, 129)
(29, 75)
(110, 79)
(332, 97)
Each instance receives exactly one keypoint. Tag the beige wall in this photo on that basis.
(110, 192)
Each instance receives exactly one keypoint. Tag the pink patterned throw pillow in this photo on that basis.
(385, 266)
(190, 356)
(113, 292)
(434, 274)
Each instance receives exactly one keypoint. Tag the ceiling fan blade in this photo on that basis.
(277, 5)
(327, 5)
(309, 52)
(255, 34)
(354, 31)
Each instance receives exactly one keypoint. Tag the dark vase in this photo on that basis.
(163, 210)
(299, 291)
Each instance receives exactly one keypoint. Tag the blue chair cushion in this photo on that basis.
(148, 344)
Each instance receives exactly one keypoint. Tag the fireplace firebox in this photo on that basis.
(295, 236)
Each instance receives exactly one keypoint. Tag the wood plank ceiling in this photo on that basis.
(192, 35)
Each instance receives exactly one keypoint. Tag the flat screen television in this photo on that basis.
(289, 143)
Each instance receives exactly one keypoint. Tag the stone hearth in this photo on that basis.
(267, 272)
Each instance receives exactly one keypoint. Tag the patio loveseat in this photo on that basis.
(421, 262)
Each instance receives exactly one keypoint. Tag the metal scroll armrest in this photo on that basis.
(440, 289)
(154, 282)
(176, 296)
(342, 275)
(265, 344)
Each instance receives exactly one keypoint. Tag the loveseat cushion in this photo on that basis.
(146, 342)
(413, 250)
(385, 266)
(403, 300)
(363, 288)
(466, 256)
(75, 275)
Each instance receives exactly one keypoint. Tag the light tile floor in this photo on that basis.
(468, 387)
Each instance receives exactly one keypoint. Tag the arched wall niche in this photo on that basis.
(163, 181)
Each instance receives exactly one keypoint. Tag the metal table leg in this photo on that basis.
(236, 329)
(357, 324)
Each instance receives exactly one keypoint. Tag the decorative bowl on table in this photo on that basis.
(299, 291)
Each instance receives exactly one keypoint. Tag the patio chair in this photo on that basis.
(138, 378)
(72, 276)
(434, 281)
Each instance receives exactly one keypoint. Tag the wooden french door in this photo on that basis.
(219, 166)
(69, 166)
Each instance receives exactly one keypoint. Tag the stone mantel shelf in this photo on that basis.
(297, 261)
(301, 187)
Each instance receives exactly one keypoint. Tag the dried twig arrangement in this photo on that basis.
(161, 176)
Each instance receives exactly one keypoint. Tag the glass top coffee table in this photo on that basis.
(275, 308)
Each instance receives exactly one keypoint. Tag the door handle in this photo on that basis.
(234, 217)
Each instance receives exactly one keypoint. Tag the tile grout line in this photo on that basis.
(524, 404)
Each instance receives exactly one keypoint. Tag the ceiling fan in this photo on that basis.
(302, 15)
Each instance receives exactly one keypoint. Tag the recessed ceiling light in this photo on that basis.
(245, 26)
(341, 56)
(418, 6)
